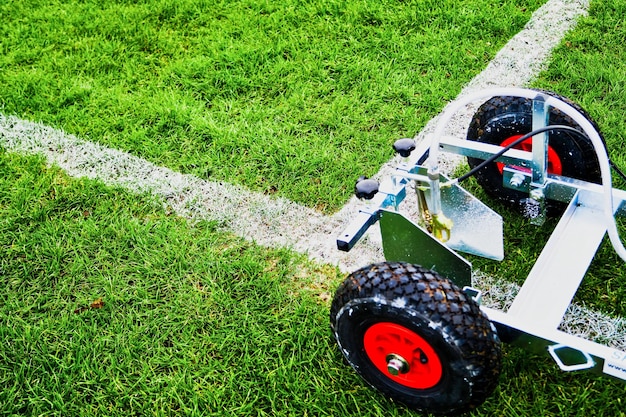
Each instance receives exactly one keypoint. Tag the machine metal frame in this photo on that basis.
(533, 319)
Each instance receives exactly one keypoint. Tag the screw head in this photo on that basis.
(516, 180)
(537, 195)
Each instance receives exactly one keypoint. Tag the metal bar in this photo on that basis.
(540, 142)
(557, 273)
(410, 176)
(563, 189)
(355, 230)
(528, 335)
(481, 150)
(420, 154)
(559, 188)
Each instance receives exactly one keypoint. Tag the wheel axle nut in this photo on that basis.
(397, 365)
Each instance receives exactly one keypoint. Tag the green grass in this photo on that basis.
(296, 99)
(193, 320)
(293, 98)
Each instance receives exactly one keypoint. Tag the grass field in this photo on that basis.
(253, 92)
(111, 305)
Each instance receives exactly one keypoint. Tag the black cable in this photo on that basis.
(530, 135)
(515, 143)
(621, 174)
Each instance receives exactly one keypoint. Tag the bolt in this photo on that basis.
(516, 180)
(537, 194)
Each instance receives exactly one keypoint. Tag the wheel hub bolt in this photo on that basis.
(397, 365)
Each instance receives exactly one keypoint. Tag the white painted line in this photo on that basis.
(254, 216)
(281, 223)
(268, 221)
(515, 65)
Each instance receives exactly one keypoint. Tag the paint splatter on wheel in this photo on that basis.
(416, 337)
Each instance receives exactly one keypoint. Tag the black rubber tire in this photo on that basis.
(502, 117)
(432, 307)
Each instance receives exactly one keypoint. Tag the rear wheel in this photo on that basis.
(416, 337)
(502, 120)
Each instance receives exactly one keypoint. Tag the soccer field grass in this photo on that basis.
(290, 100)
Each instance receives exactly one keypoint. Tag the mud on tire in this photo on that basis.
(416, 337)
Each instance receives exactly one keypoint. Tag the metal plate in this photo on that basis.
(477, 229)
(405, 241)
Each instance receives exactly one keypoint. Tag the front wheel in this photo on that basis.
(416, 337)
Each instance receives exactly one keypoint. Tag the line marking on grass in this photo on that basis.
(515, 65)
(277, 222)
(255, 216)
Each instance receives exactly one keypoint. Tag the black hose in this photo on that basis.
(621, 174)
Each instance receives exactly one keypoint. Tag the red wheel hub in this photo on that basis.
(554, 162)
(402, 355)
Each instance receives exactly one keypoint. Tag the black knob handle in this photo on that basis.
(404, 146)
(365, 188)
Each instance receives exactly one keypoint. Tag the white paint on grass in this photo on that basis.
(257, 217)
(279, 222)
